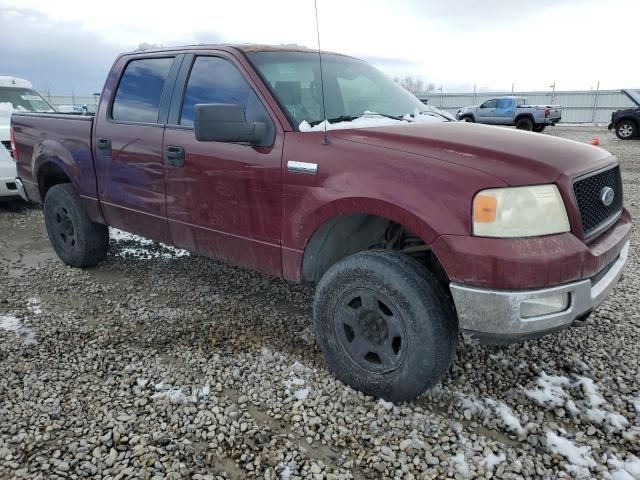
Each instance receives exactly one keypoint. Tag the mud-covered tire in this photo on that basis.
(385, 324)
(77, 240)
(539, 128)
(524, 124)
(626, 129)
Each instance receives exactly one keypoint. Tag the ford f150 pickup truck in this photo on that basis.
(512, 111)
(412, 227)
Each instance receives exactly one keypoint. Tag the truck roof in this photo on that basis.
(244, 47)
(6, 81)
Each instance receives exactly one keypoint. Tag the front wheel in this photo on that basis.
(468, 119)
(77, 240)
(385, 324)
(626, 129)
(539, 128)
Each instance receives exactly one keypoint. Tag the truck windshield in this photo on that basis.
(353, 89)
(23, 100)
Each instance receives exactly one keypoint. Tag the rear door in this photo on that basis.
(487, 111)
(128, 145)
(223, 199)
(505, 111)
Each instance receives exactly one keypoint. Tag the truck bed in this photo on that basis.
(64, 140)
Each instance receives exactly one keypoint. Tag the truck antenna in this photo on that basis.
(325, 140)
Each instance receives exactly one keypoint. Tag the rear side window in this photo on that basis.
(213, 80)
(140, 90)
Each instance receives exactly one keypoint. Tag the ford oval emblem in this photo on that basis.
(607, 195)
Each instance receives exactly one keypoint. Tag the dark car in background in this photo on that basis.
(626, 123)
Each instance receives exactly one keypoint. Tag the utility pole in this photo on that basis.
(512, 87)
(595, 103)
(440, 96)
(553, 92)
(474, 93)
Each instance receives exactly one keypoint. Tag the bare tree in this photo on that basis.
(415, 85)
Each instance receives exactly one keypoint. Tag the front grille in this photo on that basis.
(588, 190)
(7, 145)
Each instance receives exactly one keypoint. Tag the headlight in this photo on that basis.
(519, 212)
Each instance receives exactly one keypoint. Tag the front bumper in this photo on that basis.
(494, 316)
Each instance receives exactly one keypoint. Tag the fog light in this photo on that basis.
(534, 307)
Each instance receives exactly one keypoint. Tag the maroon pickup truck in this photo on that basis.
(413, 227)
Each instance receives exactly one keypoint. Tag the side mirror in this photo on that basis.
(225, 122)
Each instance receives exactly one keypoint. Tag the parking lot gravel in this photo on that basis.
(161, 364)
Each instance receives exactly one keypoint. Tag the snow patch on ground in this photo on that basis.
(143, 248)
(490, 461)
(9, 323)
(628, 469)
(141, 382)
(386, 405)
(34, 306)
(579, 458)
(488, 408)
(558, 391)
(460, 464)
(549, 391)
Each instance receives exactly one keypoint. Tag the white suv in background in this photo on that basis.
(18, 95)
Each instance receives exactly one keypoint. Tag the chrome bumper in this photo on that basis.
(21, 191)
(493, 316)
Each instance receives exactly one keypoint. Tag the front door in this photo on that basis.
(128, 149)
(223, 199)
(487, 111)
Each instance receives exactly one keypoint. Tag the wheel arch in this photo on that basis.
(339, 230)
(50, 171)
(520, 116)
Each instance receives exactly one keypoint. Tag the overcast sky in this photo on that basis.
(69, 46)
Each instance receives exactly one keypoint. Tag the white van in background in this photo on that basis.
(17, 94)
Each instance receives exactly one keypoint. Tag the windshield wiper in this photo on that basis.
(341, 118)
(435, 114)
(386, 115)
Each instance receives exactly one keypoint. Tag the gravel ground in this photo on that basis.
(159, 364)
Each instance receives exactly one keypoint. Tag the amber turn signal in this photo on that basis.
(484, 208)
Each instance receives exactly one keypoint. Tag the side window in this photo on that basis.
(214, 80)
(140, 90)
(489, 104)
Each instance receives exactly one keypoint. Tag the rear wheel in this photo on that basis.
(626, 129)
(524, 124)
(77, 240)
(539, 128)
(384, 324)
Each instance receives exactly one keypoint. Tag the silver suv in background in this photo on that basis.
(512, 111)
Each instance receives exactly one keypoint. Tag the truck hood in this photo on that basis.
(513, 156)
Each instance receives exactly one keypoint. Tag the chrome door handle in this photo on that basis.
(302, 167)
